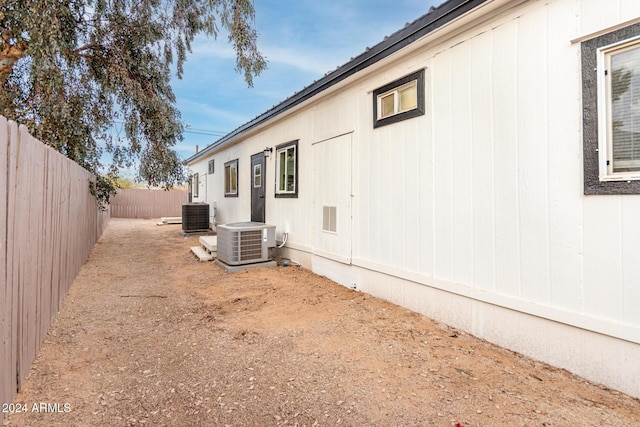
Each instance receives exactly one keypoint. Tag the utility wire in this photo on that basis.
(188, 129)
(208, 133)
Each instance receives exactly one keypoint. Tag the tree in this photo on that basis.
(69, 69)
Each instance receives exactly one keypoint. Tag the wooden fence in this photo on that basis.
(132, 203)
(49, 222)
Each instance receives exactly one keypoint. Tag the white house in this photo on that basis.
(480, 166)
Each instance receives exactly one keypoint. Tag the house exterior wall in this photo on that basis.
(474, 213)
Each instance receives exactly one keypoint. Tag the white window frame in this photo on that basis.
(396, 99)
(605, 123)
(230, 169)
(195, 185)
(257, 174)
(285, 148)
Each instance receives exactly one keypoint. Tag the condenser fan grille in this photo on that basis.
(195, 217)
(251, 244)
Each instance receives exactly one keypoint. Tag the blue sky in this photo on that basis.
(302, 40)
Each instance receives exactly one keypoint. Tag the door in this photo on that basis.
(332, 198)
(257, 187)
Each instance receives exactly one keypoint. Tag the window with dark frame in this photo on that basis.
(231, 178)
(287, 170)
(400, 100)
(211, 166)
(611, 112)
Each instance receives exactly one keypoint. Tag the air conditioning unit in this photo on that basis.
(245, 242)
(195, 217)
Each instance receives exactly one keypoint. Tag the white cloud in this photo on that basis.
(314, 61)
(212, 48)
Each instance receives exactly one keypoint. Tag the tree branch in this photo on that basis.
(86, 47)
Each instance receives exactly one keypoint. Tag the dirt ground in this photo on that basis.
(149, 335)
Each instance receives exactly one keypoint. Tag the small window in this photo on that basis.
(195, 185)
(287, 170)
(329, 218)
(404, 98)
(231, 178)
(399, 100)
(211, 166)
(257, 176)
(611, 112)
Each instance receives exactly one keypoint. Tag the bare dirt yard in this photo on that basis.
(148, 335)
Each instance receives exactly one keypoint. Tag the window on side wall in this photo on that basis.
(287, 170)
(619, 113)
(611, 112)
(231, 178)
(400, 100)
(211, 166)
(195, 185)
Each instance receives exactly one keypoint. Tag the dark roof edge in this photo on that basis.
(436, 18)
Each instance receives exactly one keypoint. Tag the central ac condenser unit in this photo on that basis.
(245, 242)
(195, 217)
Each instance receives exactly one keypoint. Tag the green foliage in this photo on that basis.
(102, 188)
(126, 183)
(70, 68)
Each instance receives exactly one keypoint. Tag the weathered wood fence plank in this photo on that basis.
(49, 223)
(7, 344)
(140, 203)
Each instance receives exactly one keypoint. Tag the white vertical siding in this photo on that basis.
(482, 119)
(594, 17)
(629, 8)
(425, 230)
(385, 182)
(483, 195)
(442, 166)
(412, 167)
(462, 165)
(505, 120)
(502, 207)
(630, 247)
(602, 256)
(533, 155)
(565, 148)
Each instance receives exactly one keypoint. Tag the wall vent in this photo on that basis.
(329, 218)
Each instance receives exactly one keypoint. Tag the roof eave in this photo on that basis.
(436, 18)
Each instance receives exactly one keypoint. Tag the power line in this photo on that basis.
(189, 129)
(208, 133)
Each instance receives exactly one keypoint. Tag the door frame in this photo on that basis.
(333, 192)
(258, 192)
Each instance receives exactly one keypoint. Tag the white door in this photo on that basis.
(332, 198)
